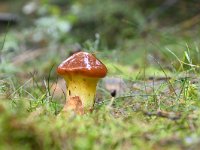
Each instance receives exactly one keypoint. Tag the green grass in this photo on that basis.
(158, 110)
(152, 115)
(128, 124)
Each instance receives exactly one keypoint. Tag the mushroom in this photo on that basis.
(81, 72)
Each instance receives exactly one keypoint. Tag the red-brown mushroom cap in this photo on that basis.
(82, 63)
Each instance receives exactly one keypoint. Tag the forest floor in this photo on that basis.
(153, 104)
(156, 105)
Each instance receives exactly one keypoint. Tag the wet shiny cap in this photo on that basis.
(82, 63)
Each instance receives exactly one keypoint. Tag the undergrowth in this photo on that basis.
(157, 109)
(160, 112)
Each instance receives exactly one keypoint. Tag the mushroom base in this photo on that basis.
(80, 93)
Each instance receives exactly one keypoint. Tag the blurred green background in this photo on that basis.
(130, 28)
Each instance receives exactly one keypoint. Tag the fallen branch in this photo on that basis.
(27, 56)
(8, 18)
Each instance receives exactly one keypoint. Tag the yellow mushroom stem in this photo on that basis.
(80, 93)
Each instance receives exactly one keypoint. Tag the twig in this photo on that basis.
(164, 114)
